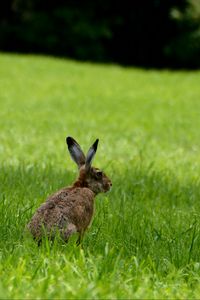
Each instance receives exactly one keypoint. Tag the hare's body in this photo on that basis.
(67, 207)
(71, 209)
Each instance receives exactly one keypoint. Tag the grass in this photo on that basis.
(145, 238)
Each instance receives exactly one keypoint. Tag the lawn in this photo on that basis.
(144, 241)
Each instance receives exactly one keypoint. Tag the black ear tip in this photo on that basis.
(69, 140)
(96, 144)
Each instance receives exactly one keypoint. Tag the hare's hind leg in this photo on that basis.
(71, 228)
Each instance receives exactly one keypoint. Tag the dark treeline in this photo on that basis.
(151, 33)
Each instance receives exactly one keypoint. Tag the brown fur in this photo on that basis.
(70, 209)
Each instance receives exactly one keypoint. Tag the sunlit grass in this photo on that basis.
(145, 238)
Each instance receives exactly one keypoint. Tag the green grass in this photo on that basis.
(145, 238)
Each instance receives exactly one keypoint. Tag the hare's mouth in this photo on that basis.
(108, 187)
(108, 191)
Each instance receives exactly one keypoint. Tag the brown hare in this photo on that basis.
(71, 209)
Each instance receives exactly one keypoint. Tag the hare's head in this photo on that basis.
(89, 176)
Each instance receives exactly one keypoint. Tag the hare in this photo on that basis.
(71, 209)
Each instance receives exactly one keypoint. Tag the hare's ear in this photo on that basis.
(91, 154)
(75, 151)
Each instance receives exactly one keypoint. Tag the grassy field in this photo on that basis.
(145, 238)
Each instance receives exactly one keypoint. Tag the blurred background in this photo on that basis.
(151, 33)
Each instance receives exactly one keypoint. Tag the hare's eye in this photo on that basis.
(99, 174)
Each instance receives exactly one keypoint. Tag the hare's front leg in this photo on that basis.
(80, 237)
